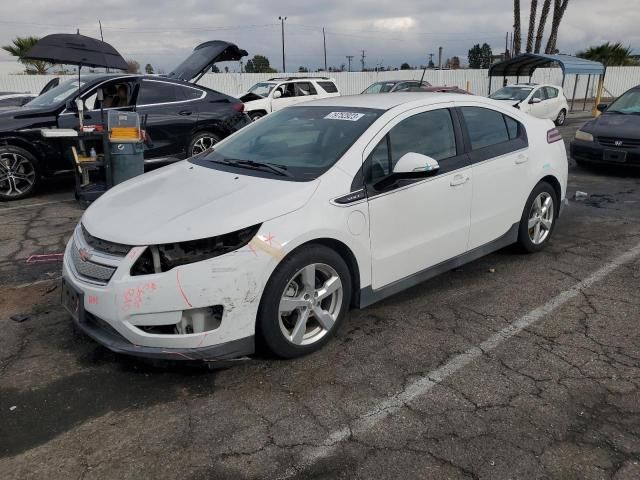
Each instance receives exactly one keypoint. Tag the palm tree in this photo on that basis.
(20, 47)
(532, 24)
(609, 54)
(559, 7)
(546, 6)
(516, 27)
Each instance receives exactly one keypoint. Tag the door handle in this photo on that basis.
(459, 180)
(522, 158)
(185, 112)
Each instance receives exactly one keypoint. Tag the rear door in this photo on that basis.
(499, 152)
(169, 112)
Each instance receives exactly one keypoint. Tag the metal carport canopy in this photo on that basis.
(525, 64)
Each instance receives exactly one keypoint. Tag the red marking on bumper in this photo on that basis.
(184, 296)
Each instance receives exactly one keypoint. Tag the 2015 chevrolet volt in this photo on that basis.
(280, 228)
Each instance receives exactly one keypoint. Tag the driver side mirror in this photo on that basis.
(415, 165)
(602, 107)
(535, 100)
(277, 94)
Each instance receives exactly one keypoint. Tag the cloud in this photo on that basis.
(395, 24)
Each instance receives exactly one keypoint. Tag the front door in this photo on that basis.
(288, 97)
(541, 107)
(416, 224)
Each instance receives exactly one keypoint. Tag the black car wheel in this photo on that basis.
(561, 118)
(202, 142)
(256, 115)
(19, 173)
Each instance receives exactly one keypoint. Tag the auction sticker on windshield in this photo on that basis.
(350, 116)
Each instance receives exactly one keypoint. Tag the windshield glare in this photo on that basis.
(305, 140)
(56, 95)
(511, 93)
(262, 89)
(627, 103)
(381, 87)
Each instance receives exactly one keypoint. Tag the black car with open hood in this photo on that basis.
(180, 117)
(613, 137)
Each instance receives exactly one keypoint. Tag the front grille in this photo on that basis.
(89, 270)
(623, 142)
(99, 245)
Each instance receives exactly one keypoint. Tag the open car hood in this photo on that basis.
(204, 56)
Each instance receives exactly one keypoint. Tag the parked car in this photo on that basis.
(542, 101)
(315, 208)
(613, 137)
(278, 93)
(392, 86)
(181, 118)
(12, 99)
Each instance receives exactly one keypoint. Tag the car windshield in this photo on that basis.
(56, 95)
(300, 142)
(627, 103)
(262, 89)
(511, 93)
(380, 87)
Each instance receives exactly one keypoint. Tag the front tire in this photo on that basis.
(304, 302)
(561, 118)
(538, 218)
(19, 173)
(202, 142)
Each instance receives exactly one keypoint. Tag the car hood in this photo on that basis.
(204, 56)
(17, 118)
(184, 202)
(615, 125)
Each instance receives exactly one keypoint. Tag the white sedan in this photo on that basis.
(542, 101)
(282, 227)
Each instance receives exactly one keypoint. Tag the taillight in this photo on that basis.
(553, 135)
(238, 107)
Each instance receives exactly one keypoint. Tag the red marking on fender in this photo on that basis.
(51, 257)
(92, 299)
(269, 238)
(180, 288)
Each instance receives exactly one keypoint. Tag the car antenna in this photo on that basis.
(424, 70)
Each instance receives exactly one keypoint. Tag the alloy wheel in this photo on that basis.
(541, 218)
(17, 174)
(202, 144)
(561, 117)
(310, 304)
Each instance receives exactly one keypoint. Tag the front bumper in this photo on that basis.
(593, 152)
(124, 312)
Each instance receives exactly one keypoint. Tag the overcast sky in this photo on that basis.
(390, 32)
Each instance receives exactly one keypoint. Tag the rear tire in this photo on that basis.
(201, 142)
(257, 115)
(19, 173)
(561, 118)
(538, 219)
(304, 302)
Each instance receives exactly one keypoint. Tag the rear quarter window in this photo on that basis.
(328, 87)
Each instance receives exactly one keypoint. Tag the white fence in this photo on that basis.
(617, 80)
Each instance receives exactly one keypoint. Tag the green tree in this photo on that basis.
(303, 69)
(149, 69)
(259, 64)
(559, 7)
(609, 54)
(215, 69)
(455, 63)
(480, 56)
(19, 48)
(405, 66)
(133, 66)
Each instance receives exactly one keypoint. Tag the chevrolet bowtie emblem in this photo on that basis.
(85, 256)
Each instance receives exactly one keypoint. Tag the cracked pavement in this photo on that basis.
(559, 399)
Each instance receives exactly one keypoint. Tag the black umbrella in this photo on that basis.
(76, 49)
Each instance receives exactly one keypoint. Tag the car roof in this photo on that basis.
(391, 100)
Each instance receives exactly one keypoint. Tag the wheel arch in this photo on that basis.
(15, 141)
(555, 183)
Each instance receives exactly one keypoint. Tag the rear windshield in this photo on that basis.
(511, 93)
(304, 141)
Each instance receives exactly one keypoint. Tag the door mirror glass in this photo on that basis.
(413, 164)
(602, 107)
(277, 94)
(535, 100)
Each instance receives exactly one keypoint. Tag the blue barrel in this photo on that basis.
(127, 161)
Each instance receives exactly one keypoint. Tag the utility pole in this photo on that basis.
(324, 43)
(430, 59)
(282, 19)
(362, 60)
(349, 58)
(439, 58)
(506, 46)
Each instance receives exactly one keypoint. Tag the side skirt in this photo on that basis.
(368, 296)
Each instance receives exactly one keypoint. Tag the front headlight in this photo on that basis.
(584, 136)
(162, 258)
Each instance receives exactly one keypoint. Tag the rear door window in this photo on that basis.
(304, 89)
(153, 93)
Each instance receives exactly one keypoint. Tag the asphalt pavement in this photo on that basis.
(511, 367)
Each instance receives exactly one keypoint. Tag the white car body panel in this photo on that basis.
(392, 236)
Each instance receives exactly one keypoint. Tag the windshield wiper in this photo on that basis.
(277, 169)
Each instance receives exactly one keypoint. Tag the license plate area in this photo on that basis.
(72, 300)
(618, 156)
